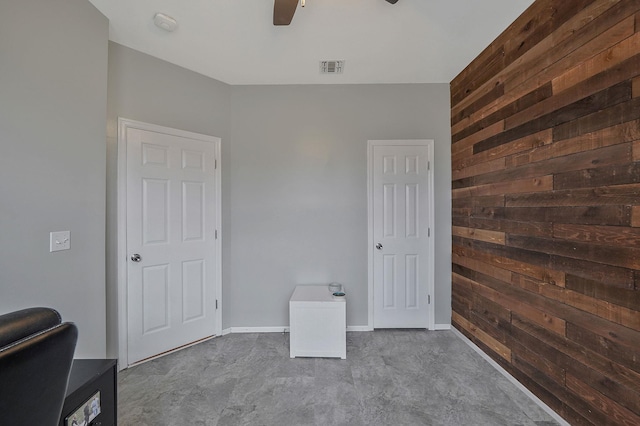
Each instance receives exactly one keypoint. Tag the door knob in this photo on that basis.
(379, 246)
(136, 257)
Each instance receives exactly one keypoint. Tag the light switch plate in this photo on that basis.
(59, 240)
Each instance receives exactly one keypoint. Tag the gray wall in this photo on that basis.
(147, 89)
(294, 167)
(297, 169)
(53, 88)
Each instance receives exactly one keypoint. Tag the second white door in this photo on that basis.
(171, 249)
(400, 192)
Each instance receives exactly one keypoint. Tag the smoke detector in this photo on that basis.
(331, 67)
(165, 22)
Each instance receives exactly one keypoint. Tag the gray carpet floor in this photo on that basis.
(391, 377)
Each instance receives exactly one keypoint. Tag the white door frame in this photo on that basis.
(370, 248)
(123, 125)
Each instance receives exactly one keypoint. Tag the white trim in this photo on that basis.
(512, 379)
(442, 327)
(166, 353)
(121, 264)
(282, 329)
(431, 262)
(358, 328)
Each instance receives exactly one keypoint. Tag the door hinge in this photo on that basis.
(428, 165)
(215, 163)
(428, 299)
(216, 234)
(428, 232)
(216, 303)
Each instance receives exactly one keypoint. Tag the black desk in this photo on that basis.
(87, 377)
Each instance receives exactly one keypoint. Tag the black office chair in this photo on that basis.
(36, 352)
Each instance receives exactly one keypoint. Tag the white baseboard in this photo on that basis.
(358, 328)
(285, 329)
(442, 327)
(512, 379)
(281, 329)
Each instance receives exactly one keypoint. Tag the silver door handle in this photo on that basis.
(379, 246)
(136, 257)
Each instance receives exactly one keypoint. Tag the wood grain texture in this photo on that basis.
(622, 133)
(606, 406)
(557, 52)
(605, 235)
(635, 217)
(494, 344)
(495, 237)
(467, 159)
(546, 206)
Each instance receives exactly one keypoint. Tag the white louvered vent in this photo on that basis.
(331, 67)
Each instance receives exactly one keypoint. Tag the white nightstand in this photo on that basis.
(318, 323)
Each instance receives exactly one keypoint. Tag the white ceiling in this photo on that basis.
(413, 41)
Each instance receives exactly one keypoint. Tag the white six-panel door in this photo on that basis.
(170, 241)
(400, 191)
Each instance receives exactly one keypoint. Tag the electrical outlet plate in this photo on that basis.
(59, 240)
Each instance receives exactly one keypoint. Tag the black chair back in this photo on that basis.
(36, 353)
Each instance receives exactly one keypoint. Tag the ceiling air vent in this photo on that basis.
(331, 67)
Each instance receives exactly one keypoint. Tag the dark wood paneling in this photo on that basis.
(602, 176)
(617, 114)
(584, 215)
(546, 206)
(620, 155)
(528, 100)
(621, 256)
(607, 100)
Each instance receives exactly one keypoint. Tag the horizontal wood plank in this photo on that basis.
(540, 229)
(599, 382)
(622, 174)
(626, 70)
(525, 144)
(623, 292)
(618, 155)
(606, 195)
(625, 257)
(611, 409)
(521, 352)
(620, 315)
(495, 237)
(622, 133)
(498, 347)
(635, 217)
(605, 235)
(586, 215)
(567, 353)
(614, 115)
(614, 276)
(543, 183)
(628, 356)
(564, 120)
(603, 61)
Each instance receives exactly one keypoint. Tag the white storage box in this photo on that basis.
(318, 323)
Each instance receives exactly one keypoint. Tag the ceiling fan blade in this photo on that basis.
(283, 11)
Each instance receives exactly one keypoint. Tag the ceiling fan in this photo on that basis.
(283, 10)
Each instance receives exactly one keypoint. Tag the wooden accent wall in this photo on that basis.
(546, 206)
